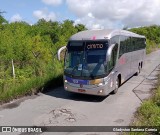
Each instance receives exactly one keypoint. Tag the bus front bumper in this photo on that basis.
(99, 91)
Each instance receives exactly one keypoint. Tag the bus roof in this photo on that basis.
(102, 34)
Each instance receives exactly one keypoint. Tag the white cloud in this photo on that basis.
(94, 23)
(146, 14)
(16, 18)
(80, 7)
(115, 13)
(52, 2)
(44, 14)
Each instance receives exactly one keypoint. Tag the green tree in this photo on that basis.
(80, 27)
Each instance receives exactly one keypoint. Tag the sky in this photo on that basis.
(94, 14)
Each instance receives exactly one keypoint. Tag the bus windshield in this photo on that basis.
(86, 60)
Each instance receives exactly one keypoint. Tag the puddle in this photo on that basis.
(17, 102)
(11, 106)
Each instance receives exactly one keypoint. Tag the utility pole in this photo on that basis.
(13, 70)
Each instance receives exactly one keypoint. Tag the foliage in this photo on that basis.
(33, 50)
(148, 113)
(152, 33)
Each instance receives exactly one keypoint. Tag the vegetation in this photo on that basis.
(152, 34)
(28, 55)
(149, 113)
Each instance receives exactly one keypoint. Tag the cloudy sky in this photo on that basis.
(92, 13)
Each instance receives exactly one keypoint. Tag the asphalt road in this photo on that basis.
(61, 108)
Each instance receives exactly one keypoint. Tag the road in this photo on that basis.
(62, 108)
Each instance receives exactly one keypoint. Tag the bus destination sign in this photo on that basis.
(94, 46)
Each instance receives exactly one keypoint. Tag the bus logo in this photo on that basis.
(81, 85)
(75, 81)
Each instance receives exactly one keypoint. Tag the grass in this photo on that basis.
(149, 113)
(32, 86)
(21, 86)
(151, 46)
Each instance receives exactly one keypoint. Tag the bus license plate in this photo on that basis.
(81, 90)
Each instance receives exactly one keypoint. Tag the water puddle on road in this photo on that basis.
(16, 103)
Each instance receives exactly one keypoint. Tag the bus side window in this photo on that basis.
(122, 45)
(134, 43)
(112, 62)
(129, 45)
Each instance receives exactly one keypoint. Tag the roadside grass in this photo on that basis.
(149, 113)
(31, 87)
(151, 46)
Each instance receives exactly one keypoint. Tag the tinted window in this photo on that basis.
(123, 44)
(138, 43)
(130, 47)
(112, 62)
(75, 46)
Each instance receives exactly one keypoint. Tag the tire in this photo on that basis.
(139, 70)
(116, 87)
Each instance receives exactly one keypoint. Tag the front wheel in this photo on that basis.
(116, 87)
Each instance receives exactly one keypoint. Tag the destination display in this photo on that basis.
(88, 45)
(96, 45)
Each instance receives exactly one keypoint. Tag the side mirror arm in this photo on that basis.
(59, 52)
(109, 52)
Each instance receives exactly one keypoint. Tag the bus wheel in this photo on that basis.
(138, 71)
(116, 87)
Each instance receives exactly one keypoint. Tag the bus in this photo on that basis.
(97, 62)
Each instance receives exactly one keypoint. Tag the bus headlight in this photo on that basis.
(65, 81)
(96, 82)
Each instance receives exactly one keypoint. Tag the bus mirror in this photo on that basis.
(109, 52)
(59, 52)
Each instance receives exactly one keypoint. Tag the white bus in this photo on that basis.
(97, 62)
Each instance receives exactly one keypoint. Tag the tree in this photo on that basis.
(80, 27)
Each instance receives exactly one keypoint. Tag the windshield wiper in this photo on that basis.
(92, 76)
(74, 69)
